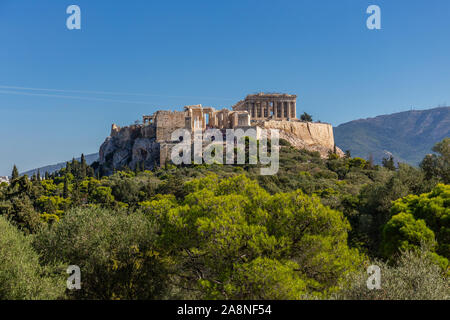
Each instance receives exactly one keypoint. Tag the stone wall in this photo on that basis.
(167, 122)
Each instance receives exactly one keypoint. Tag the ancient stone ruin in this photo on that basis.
(149, 144)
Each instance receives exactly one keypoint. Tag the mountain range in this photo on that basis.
(408, 136)
(90, 158)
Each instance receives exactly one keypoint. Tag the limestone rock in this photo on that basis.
(305, 135)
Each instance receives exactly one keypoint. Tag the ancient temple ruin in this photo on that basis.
(269, 106)
(254, 108)
(150, 142)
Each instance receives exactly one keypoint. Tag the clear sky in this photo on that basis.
(134, 57)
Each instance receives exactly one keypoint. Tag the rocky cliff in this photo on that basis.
(129, 146)
(137, 144)
(305, 135)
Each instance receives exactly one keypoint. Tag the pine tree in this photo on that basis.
(46, 175)
(15, 173)
(306, 117)
(38, 176)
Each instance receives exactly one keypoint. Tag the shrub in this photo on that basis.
(420, 218)
(114, 251)
(414, 277)
(21, 276)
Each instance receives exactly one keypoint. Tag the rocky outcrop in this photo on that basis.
(312, 136)
(129, 146)
(139, 145)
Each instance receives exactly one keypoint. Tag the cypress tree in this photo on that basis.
(90, 172)
(83, 167)
(66, 188)
(15, 173)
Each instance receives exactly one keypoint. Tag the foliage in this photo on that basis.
(21, 276)
(222, 228)
(416, 219)
(216, 231)
(114, 251)
(415, 276)
(306, 117)
(437, 166)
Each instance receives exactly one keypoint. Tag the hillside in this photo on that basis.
(90, 158)
(408, 135)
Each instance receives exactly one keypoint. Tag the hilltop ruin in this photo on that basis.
(150, 143)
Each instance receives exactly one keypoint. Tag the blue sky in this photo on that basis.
(149, 55)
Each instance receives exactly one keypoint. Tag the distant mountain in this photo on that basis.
(90, 158)
(408, 135)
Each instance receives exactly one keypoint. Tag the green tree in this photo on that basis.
(404, 232)
(413, 276)
(66, 187)
(15, 173)
(306, 117)
(115, 251)
(389, 163)
(420, 218)
(222, 227)
(438, 165)
(83, 167)
(21, 275)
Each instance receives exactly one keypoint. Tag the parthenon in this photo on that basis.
(269, 106)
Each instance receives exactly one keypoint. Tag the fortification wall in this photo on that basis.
(167, 122)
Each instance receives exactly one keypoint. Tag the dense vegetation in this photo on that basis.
(219, 231)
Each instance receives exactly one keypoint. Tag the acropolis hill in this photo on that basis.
(150, 143)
